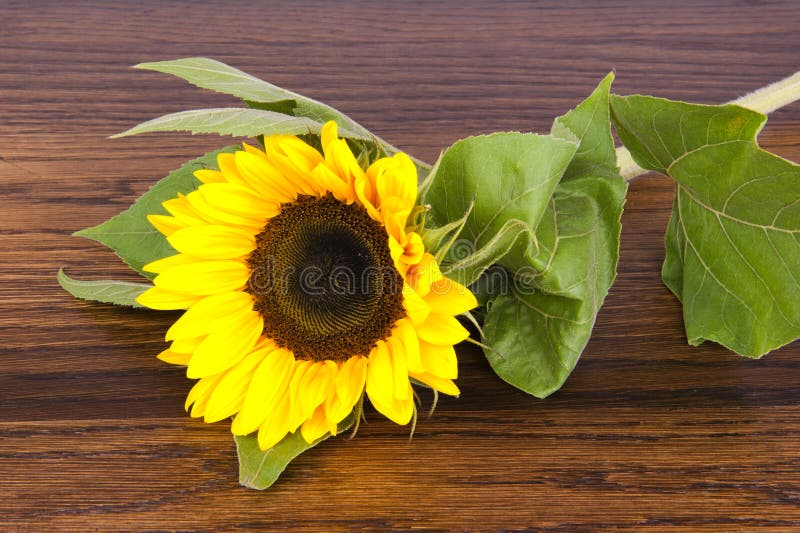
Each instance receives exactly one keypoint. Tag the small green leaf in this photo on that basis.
(260, 469)
(105, 291)
(510, 178)
(228, 121)
(130, 234)
(733, 241)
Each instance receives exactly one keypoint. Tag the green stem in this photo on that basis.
(764, 100)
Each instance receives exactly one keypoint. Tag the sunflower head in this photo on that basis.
(304, 289)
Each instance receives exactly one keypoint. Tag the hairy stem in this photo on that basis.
(764, 100)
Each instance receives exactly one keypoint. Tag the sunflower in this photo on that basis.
(304, 289)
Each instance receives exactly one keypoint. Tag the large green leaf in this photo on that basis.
(105, 291)
(733, 241)
(240, 122)
(547, 210)
(510, 178)
(259, 469)
(538, 330)
(130, 235)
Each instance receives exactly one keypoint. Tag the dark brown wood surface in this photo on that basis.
(647, 433)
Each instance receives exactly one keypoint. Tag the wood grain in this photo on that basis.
(648, 433)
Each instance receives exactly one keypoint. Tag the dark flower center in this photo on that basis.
(324, 280)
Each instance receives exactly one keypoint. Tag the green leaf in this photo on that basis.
(130, 235)
(260, 469)
(217, 76)
(228, 121)
(733, 241)
(539, 329)
(106, 291)
(510, 178)
(563, 257)
(659, 131)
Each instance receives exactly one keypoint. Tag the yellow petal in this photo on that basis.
(296, 160)
(366, 197)
(399, 368)
(441, 329)
(443, 385)
(330, 181)
(199, 394)
(222, 214)
(186, 345)
(227, 397)
(380, 383)
(416, 307)
(439, 360)
(350, 380)
(312, 389)
(423, 274)
(270, 383)
(276, 427)
(205, 278)
(166, 300)
(254, 150)
(263, 177)
(394, 219)
(209, 176)
(316, 426)
(183, 212)
(342, 162)
(380, 387)
(395, 177)
(329, 134)
(175, 358)
(302, 156)
(295, 408)
(165, 224)
(160, 265)
(406, 333)
(414, 249)
(210, 313)
(239, 200)
(226, 346)
(213, 242)
(449, 297)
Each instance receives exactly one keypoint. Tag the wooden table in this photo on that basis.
(647, 433)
